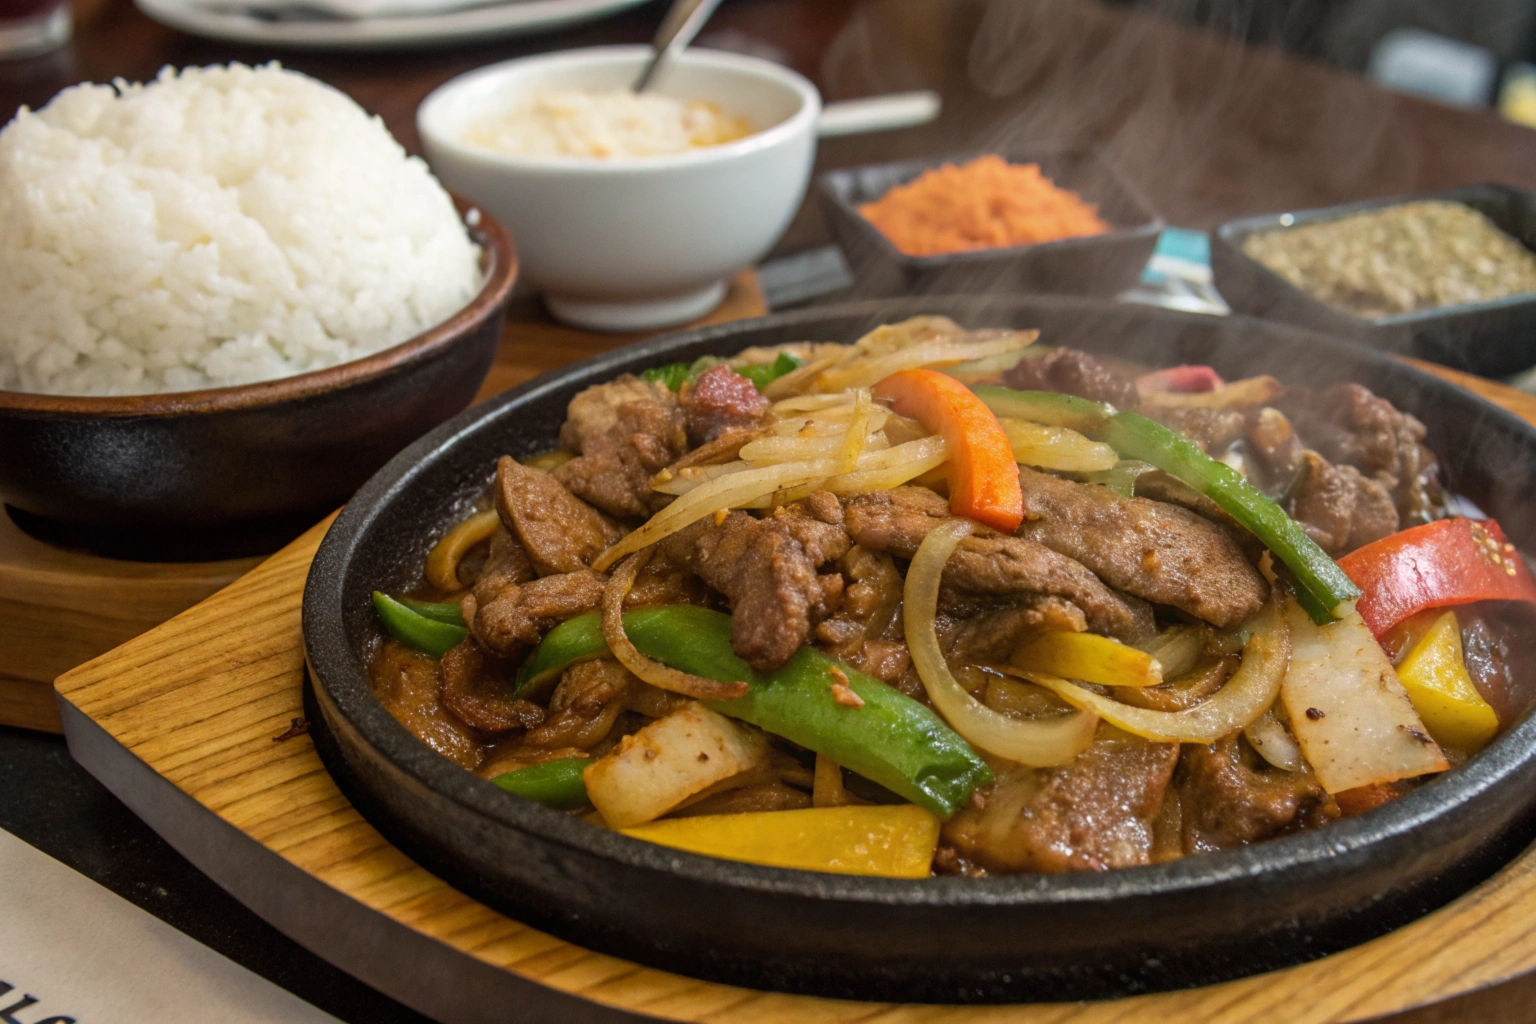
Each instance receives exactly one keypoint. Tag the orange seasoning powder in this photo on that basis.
(985, 204)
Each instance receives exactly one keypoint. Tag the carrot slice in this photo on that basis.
(983, 477)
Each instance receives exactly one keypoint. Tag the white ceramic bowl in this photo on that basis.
(641, 242)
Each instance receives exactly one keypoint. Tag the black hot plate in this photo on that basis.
(1021, 938)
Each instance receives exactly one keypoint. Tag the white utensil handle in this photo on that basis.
(879, 113)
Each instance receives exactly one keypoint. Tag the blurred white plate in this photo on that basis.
(247, 24)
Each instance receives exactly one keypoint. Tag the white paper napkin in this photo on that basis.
(71, 949)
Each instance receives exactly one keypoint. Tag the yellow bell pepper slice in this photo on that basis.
(886, 841)
(1088, 657)
(1435, 675)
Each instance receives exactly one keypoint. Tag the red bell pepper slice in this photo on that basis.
(983, 476)
(1437, 565)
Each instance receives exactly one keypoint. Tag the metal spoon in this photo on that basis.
(677, 30)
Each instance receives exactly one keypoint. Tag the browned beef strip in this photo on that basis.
(991, 634)
(1074, 373)
(505, 562)
(517, 615)
(767, 568)
(988, 566)
(478, 695)
(1338, 507)
(585, 705)
(1214, 430)
(719, 401)
(409, 684)
(1349, 425)
(1092, 813)
(1161, 553)
(865, 632)
(560, 532)
(1231, 797)
(624, 432)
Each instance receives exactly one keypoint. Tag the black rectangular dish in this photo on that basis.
(1101, 265)
(1493, 339)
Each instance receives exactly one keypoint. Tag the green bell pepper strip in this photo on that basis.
(1323, 588)
(763, 374)
(438, 611)
(1048, 407)
(428, 636)
(892, 740)
(1330, 591)
(554, 784)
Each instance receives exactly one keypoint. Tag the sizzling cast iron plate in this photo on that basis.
(1025, 937)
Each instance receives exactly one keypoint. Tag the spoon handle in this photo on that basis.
(677, 30)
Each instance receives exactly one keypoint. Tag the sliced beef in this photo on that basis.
(1230, 797)
(624, 432)
(662, 581)
(408, 684)
(719, 401)
(989, 568)
(1160, 553)
(1092, 813)
(1339, 507)
(721, 450)
(1349, 425)
(517, 615)
(1214, 430)
(767, 569)
(478, 695)
(991, 634)
(865, 632)
(585, 705)
(506, 561)
(1074, 373)
(560, 532)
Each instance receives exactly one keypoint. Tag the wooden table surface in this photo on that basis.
(1207, 130)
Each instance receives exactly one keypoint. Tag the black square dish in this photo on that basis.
(1102, 265)
(1493, 339)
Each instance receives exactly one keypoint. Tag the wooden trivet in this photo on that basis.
(191, 725)
(59, 608)
(185, 725)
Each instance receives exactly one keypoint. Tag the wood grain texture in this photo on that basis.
(59, 608)
(202, 698)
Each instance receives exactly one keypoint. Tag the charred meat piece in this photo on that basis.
(560, 532)
(989, 568)
(409, 685)
(623, 432)
(1160, 553)
(1338, 507)
(477, 694)
(767, 568)
(1092, 813)
(1349, 425)
(719, 401)
(517, 615)
(1074, 373)
(1231, 797)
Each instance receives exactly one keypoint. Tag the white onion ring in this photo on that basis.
(443, 561)
(1242, 699)
(1038, 743)
(663, 677)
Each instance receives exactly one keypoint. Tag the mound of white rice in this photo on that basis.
(214, 227)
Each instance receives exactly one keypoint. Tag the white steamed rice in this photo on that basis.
(214, 227)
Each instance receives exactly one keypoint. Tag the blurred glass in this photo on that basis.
(30, 27)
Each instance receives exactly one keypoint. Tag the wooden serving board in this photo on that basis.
(189, 725)
(59, 608)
